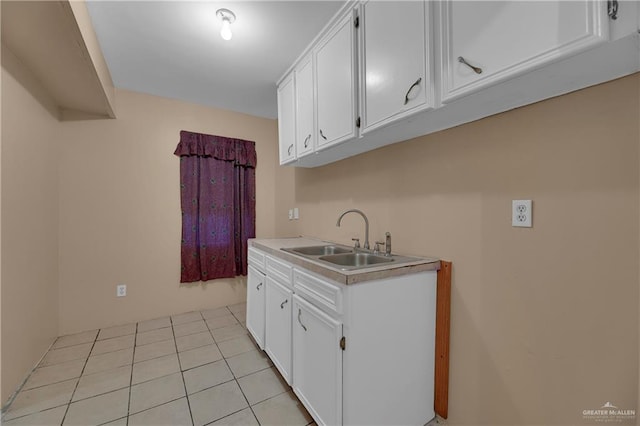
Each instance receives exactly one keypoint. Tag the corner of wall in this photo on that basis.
(90, 39)
(29, 215)
(25, 77)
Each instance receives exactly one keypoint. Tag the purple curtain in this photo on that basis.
(218, 198)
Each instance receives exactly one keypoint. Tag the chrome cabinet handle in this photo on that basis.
(322, 134)
(289, 149)
(258, 286)
(477, 70)
(283, 303)
(300, 313)
(406, 97)
(306, 141)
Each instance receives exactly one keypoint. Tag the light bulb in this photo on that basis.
(225, 32)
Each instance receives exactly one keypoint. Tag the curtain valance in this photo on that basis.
(241, 152)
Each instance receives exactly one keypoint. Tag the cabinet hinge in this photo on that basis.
(343, 343)
(612, 9)
(358, 122)
(356, 22)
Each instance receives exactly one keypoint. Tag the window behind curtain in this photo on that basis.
(218, 197)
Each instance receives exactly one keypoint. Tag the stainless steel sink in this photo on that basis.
(319, 250)
(346, 259)
(357, 260)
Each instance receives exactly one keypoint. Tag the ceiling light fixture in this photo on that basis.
(228, 17)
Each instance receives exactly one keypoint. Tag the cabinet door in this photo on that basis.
(503, 39)
(335, 84)
(305, 132)
(278, 327)
(255, 305)
(317, 362)
(396, 78)
(287, 119)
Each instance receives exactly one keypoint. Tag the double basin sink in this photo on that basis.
(347, 258)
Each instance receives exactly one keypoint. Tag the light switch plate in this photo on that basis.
(296, 213)
(290, 214)
(521, 213)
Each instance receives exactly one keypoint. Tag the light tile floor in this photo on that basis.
(197, 368)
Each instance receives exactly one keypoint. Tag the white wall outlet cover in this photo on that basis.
(121, 290)
(296, 213)
(290, 214)
(521, 213)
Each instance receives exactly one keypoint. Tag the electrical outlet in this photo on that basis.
(121, 290)
(521, 213)
(290, 214)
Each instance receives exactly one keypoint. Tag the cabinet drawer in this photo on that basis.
(279, 270)
(317, 291)
(256, 258)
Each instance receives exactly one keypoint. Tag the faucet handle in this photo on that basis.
(376, 249)
(357, 242)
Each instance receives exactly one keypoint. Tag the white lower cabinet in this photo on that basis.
(256, 281)
(317, 362)
(357, 354)
(278, 327)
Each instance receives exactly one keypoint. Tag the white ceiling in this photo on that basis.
(174, 49)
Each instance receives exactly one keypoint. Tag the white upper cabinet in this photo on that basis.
(395, 52)
(305, 131)
(396, 74)
(287, 119)
(335, 84)
(487, 42)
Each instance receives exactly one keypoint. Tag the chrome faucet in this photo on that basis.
(366, 225)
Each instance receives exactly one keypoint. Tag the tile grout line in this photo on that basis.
(133, 362)
(93, 345)
(80, 377)
(70, 402)
(184, 383)
(211, 387)
(20, 388)
(290, 388)
(152, 407)
(228, 415)
(234, 376)
(53, 383)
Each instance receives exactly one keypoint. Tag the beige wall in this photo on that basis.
(120, 210)
(544, 321)
(29, 225)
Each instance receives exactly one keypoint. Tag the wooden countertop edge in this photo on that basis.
(443, 326)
